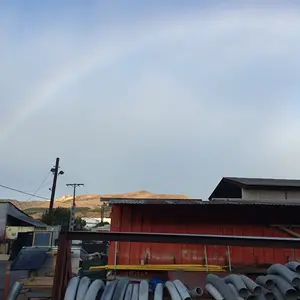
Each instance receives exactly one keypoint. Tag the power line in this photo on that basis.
(18, 191)
(47, 184)
(40, 186)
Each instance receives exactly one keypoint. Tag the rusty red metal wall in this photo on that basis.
(132, 218)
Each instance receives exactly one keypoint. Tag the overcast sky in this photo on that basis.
(167, 96)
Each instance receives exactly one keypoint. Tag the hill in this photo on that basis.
(88, 206)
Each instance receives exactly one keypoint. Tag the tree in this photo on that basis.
(61, 216)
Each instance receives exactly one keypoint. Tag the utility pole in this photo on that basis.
(102, 211)
(102, 214)
(72, 215)
(55, 172)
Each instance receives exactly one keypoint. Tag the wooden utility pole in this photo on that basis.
(72, 215)
(55, 172)
(102, 214)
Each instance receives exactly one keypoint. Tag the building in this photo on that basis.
(93, 222)
(13, 231)
(237, 206)
(13, 219)
(222, 217)
(258, 189)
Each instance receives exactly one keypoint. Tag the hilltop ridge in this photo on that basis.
(88, 205)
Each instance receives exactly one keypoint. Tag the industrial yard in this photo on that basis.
(149, 150)
(241, 243)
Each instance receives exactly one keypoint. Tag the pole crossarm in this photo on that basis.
(72, 214)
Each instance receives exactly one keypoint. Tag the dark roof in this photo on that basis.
(265, 182)
(231, 187)
(233, 202)
(15, 212)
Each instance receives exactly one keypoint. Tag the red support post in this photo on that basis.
(63, 268)
(7, 280)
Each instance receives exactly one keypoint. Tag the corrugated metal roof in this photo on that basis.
(18, 214)
(265, 182)
(253, 202)
(195, 202)
(150, 201)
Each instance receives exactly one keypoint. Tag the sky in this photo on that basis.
(165, 96)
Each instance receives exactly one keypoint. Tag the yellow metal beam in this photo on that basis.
(172, 267)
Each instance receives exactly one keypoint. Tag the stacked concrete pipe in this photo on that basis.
(84, 289)
(282, 282)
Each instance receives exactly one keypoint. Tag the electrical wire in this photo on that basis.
(22, 192)
(40, 186)
(47, 184)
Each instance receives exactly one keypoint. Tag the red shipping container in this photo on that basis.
(240, 220)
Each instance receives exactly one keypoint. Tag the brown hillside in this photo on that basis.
(87, 202)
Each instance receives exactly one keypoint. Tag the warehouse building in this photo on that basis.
(258, 189)
(229, 212)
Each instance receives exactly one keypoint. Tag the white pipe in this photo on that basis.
(238, 283)
(293, 266)
(172, 291)
(135, 292)
(182, 290)
(213, 292)
(128, 293)
(286, 273)
(285, 287)
(158, 293)
(144, 290)
(72, 288)
(120, 289)
(109, 290)
(252, 286)
(83, 287)
(233, 288)
(93, 290)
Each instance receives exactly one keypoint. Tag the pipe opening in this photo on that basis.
(295, 281)
(243, 292)
(291, 295)
(297, 269)
(257, 290)
(269, 296)
(198, 291)
(269, 284)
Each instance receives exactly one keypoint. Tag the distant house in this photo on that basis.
(257, 189)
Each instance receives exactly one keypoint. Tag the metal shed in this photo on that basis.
(202, 217)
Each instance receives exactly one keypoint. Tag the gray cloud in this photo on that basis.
(168, 104)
